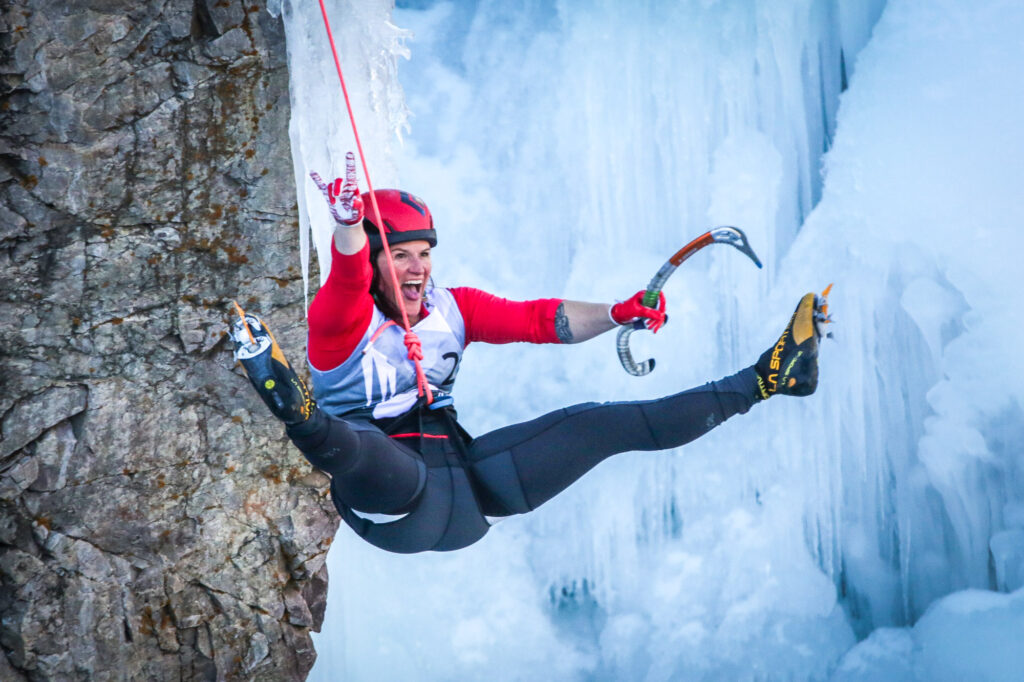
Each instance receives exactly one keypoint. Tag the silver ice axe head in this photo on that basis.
(723, 234)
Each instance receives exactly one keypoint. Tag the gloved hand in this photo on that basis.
(343, 199)
(625, 312)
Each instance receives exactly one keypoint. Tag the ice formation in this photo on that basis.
(566, 149)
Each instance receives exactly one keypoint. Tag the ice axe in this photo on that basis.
(724, 234)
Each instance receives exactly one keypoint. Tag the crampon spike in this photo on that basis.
(824, 296)
(241, 314)
(821, 314)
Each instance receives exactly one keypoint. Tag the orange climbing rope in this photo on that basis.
(412, 341)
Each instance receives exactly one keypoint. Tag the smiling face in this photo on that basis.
(412, 265)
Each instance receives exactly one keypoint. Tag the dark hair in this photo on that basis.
(377, 288)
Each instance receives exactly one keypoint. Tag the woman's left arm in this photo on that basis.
(496, 320)
(576, 321)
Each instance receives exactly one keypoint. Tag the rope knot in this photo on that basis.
(412, 342)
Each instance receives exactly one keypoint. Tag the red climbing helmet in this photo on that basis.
(405, 216)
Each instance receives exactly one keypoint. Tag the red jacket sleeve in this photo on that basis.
(492, 319)
(341, 310)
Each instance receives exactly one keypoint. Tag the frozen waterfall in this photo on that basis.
(566, 149)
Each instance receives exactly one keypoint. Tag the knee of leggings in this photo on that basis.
(498, 485)
(323, 460)
(332, 446)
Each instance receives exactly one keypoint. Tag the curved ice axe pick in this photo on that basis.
(720, 235)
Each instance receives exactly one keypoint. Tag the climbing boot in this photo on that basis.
(790, 367)
(269, 372)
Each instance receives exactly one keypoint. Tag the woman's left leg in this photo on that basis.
(522, 466)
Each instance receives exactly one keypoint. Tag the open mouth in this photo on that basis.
(412, 290)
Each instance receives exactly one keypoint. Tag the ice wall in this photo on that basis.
(566, 149)
(919, 213)
(368, 46)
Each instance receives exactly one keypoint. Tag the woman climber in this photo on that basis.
(404, 474)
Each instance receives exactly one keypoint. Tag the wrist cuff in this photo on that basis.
(745, 383)
(612, 317)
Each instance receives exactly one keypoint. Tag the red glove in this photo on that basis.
(343, 199)
(625, 312)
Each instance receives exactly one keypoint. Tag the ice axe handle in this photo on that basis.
(626, 355)
(651, 296)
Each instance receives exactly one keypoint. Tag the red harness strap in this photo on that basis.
(415, 435)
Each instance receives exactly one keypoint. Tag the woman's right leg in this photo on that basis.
(371, 472)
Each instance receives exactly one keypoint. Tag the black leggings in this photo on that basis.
(446, 489)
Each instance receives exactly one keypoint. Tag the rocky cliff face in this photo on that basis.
(154, 522)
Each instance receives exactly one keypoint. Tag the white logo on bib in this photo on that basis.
(376, 363)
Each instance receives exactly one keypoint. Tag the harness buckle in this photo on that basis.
(441, 401)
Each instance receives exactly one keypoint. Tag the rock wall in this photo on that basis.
(154, 522)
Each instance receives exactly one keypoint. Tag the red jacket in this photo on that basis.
(342, 309)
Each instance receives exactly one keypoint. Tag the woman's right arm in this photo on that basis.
(349, 239)
(342, 309)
